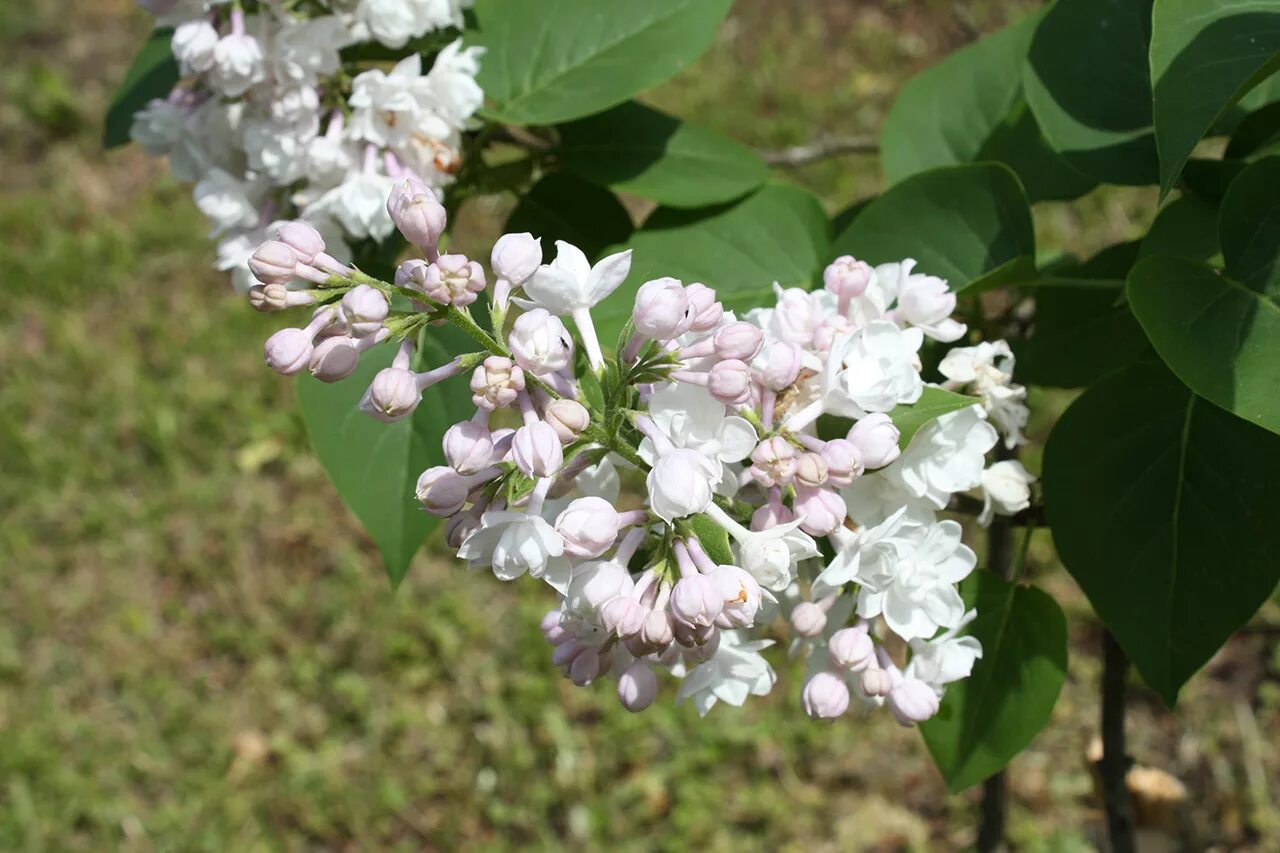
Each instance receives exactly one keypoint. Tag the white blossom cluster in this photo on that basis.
(718, 417)
(270, 122)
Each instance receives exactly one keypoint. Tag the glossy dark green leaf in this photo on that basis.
(565, 207)
(969, 107)
(968, 224)
(1087, 81)
(152, 75)
(1186, 227)
(1205, 55)
(776, 234)
(551, 61)
(1220, 331)
(374, 466)
(1163, 508)
(988, 718)
(637, 149)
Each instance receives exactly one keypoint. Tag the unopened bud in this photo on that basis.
(729, 381)
(365, 308)
(453, 280)
(912, 701)
(468, 446)
(536, 450)
(412, 274)
(740, 340)
(637, 687)
(825, 696)
(661, 310)
(417, 213)
(585, 667)
(304, 239)
(773, 462)
(392, 395)
(772, 514)
(846, 277)
(288, 351)
(496, 383)
(821, 509)
(516, 257)
(623, 616)
(568, 418)
(852, 648)
(875, 681)
(844, 462)
(808, 619)
(540, 342)
(334, 359)
(778, 364)
(876, 439)
(273, 263)
(696, 600)
(811, 469)
(704, 308)
(441, 490)
(657, 632)
(589, 527)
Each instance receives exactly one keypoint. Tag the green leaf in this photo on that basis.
(1220, 332)
(988, 718)
(562, 206)
(1083, 328)
(776, 234)
(968, 224)
(1187, 227)
(554, 60)
(1205, 55)
(714, 539)
(636, 149)
(969, 107)
(374, 466)
(933, 403)
(1087, 81)
(1257, 131)
(153, 74)
(1163, 508)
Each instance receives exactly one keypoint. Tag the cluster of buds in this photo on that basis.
(277, 114)
(714, 420)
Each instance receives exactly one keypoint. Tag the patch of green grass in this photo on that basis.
(198, 649)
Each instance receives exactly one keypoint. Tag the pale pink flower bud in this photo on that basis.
(844, 462)
(662, 310)
(413, 274)
(468, 447)
(773, 462)
(700, 642)
(334, 359)
(912, 701)
(496, 383)
(273, 263)
(417, 213)
(740, 340)
(772, 514)
(831, 328)
(778, 364)
(704, 308)
(808, 619)
(852, 648)
(811, 469)
(825, 696)
(277, 297)
(568, 418)
(729, 381)
(637, 687)
(392, 395)
(516, 257)
(846, 277)
(536, 450)
(458, 527)
(696, 600)
(540, 342)
(552, 628)
(288, 351)
(656, 632)
(365, 308)
(823, 510)
(304, 239)
(876, 438)
(589, 527)
(442, 491)
(680, 484)
(585, 667)
(565, 653)
(875, 681)
(623, 616)
(453, 280)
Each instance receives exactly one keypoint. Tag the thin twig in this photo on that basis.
(822, 148)
(1113, 767)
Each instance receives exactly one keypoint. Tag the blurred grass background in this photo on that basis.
(198, 648)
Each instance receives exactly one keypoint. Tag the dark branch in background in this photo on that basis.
(1032, 516)
(1113, 767)
(822, 148)
(521, 137)
(995, 792)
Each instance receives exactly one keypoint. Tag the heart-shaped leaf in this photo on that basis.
(1163, 508)
(991, 716)
(152, 75)
(565, 207)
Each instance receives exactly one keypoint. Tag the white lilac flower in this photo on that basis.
(736, 670)
(1006, 490)
(945, 457)
(514, 543)
(872, 369)
(691, 418)
(946, 658)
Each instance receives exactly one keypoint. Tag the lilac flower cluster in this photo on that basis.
(276, 115)
(717, 416)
